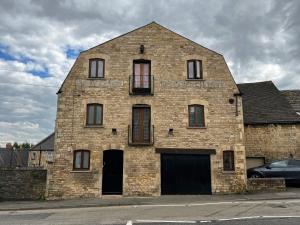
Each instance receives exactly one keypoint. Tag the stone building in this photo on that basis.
(272, 126)
(146, 114)
(41, 154)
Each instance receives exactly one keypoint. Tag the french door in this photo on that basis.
(141, 74)
(141, 124)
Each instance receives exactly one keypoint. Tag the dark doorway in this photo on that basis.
(112, 181)
(185, 174)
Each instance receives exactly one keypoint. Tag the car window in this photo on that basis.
(294, 162)
(279, 164)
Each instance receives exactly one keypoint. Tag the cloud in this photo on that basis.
(39, 41)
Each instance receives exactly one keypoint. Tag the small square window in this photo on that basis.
(81, 160)
(96, 68)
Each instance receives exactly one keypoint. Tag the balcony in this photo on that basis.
(140, 136)
(141, 85)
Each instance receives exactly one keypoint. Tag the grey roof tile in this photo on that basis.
(263, 103)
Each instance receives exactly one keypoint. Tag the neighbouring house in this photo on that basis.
(293, 97)
(148, 113)
(272, 126)
(41, 154)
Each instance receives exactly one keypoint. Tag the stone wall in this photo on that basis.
(266, 184)
(22, 183)
(173, 93)
(274, 142)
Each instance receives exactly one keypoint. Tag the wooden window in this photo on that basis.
(196, 116)
(81, 160)
(141, 74)
(228, 160)
(96, 68)
(141, 120)
(194, 69)
(94, 114)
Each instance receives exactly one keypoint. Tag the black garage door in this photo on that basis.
(185, 174)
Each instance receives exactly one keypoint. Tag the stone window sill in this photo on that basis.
(80, 171)
(93, 126)
(96, 78)
(229, 172)
(188, 127)
(194, 79)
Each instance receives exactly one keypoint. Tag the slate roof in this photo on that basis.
(46, 144)
(293, 97)
(263, 103)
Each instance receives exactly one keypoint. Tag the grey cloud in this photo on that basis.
(259, 38)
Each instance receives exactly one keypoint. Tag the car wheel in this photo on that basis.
(256, 175)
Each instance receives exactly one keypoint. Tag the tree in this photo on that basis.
(16, 146)
(25, 146)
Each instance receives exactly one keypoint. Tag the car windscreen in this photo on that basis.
(279, 164)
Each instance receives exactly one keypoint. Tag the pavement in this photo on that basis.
(291, 193)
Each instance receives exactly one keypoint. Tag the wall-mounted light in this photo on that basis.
(114, 131)
(142, 49)
(171, 131)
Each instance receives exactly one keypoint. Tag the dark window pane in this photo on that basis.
(91, 111)
(228, 160)
(200, 115)
(100, 68)
(78, 160)
(86, 158)
(146, 69)
(192, 116)
(93, 68)
(197, 69)
(98, 114)
(191, 69)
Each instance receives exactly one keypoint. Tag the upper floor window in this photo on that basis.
(81, 160)
(141, 74)
(196, 116)
(96, 68)
(228, 160)
(194, 68)
(94, 114)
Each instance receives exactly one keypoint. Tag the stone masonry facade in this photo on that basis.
(172, 94)
(272, 141)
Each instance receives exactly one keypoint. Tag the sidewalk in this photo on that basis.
(291, 193)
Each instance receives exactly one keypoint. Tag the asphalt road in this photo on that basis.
(239, 212)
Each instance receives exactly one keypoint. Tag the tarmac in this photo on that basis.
(109, 201)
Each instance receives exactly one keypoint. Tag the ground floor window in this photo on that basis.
(228, 160)
(81, 160)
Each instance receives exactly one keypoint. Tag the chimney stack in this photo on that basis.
(9, 146)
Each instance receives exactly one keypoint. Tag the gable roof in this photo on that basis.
(46, 144)
(263, 103)
(293, 97)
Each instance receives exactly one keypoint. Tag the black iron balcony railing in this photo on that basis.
(141, 85)
(140, 135)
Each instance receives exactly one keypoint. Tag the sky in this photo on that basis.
(40, 40)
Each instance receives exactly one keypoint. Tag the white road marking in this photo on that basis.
(219, 203)
(166, 221)
(205, 221)
(240, 218)
(129, 222)
(256, 217)
(280, 216)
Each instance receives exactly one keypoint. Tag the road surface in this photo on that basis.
(275, 212)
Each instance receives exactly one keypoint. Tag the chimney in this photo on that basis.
(9, 146)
